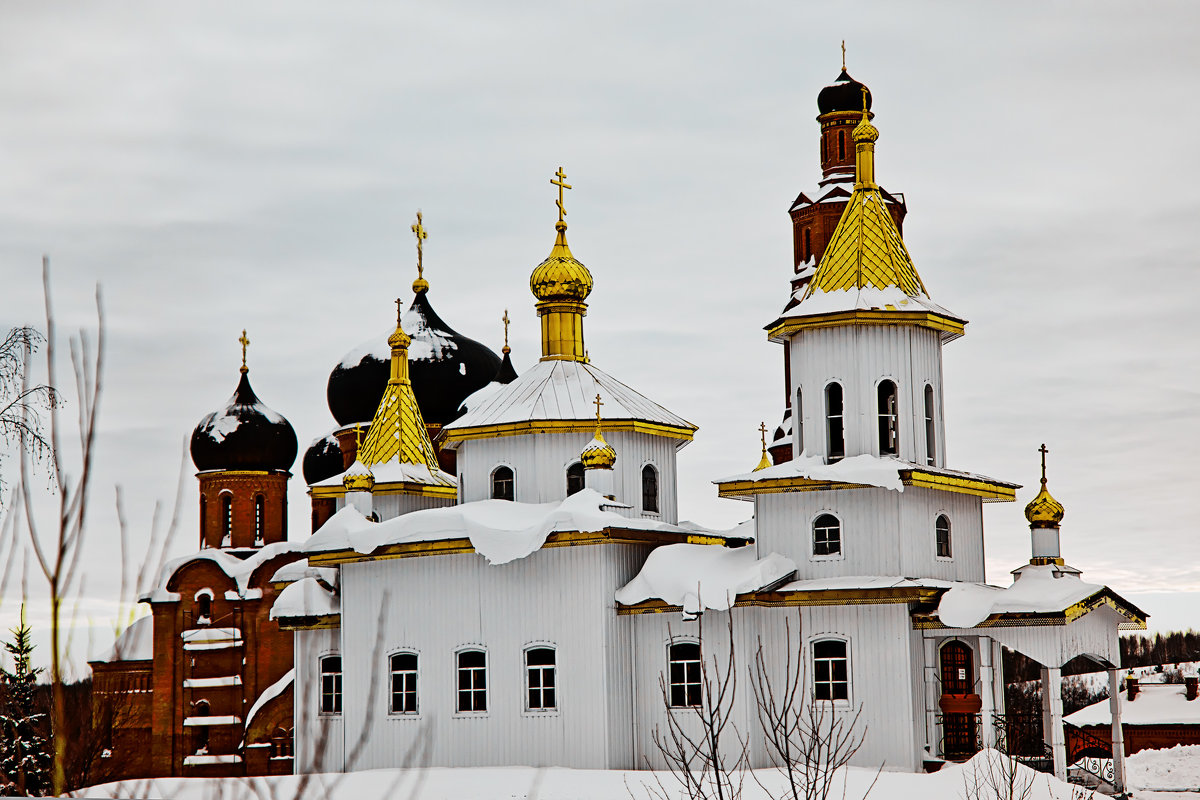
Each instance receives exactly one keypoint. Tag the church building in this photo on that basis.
(497, 573)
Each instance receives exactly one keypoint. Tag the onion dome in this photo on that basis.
(598, 454)
(358, 478)
(244, 435)
(444, 365)
(844, 94)
(864, 131)
(1044, 511)
(561, 276)
(322, 459)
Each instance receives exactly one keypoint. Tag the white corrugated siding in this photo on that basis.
(884, 532)
(858, 358)
(319, 746)
(435, 606)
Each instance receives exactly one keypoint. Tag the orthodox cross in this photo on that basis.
(245, 343)
(504, 319)
(1043, 451)
(398, 306)
(598, 403)
(864, 94)
(843, 55)
(762, 429)
(419, 231)
(561, 183)
(357, 439)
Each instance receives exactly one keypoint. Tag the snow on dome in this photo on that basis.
(703, 576)
(307, 597)
(1037, 591)
(499, 530)
(244, 434)
(136, 642)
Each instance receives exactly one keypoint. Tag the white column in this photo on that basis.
(1053, 718)
(987, 696)
(931, 695)
(1118, 733)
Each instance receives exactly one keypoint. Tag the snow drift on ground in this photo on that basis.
(509, 783)
(1176, 769)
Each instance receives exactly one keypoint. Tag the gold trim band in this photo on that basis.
(950, 327)
(565, 426)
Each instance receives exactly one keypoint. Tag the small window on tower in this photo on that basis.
(203, 609)
(807, 244)
(827, 536)
(503, 484)
(649, 489)
(798, 421)
(574, 478)
(226, 519)
(259, 508)
(889, 421)
(203, 521)
(930, 442)
(942, 530)
(841, 144)
(833, 416)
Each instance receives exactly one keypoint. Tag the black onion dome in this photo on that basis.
(445, 366)
(322, 459)
(245, 434)
(356, 384)
(844, 94)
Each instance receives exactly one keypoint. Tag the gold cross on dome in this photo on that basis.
(504, 319)
(1043, 451)
(561, 183)
(245, 343)
(598, 403)
(398, 311)
(419, 231)
(843, 55)
(762, 428)
(357, 439)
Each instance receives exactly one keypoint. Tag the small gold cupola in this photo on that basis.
(1044, 511)
(598, 454)
(561, 284)
(765, 461)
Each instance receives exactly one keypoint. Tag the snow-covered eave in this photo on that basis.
(842, 591)
(309, 622)
(239, 570)
(609, 535)
(453, 437)
(392, 487)
(949, 325)
(413, 479)
(811, 473)
(1135, 618)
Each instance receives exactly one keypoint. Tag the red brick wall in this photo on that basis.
(242, 488)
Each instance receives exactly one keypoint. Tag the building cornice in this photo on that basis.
(452, 436)
(823, 597)
(950, 327)
(994, 491)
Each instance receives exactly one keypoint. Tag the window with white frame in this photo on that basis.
(472, 680)
(650, 489)
(259, 518)
(827, 535)
(831, 670)
(403, 668)
(941, 529)
(834, 422)
(683, 664)
(541, 694)
(331, 684)
(503, 484)
(226, 519)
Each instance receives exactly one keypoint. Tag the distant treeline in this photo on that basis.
(1137, 650)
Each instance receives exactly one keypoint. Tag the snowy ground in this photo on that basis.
(1165, 769)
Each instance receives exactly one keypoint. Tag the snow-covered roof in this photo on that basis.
(499, 530)
(1037, 591)
(271, 692)
(699, 577)
(862, 470)
(868, 298)
(239, 569)
(136, 642)
(398, 472)
(863, 583)
(1154, 704)
(562, 390)
(307, 597)
(289, 573)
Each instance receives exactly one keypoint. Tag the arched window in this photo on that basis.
(472, 680)
(683, 664)
(226, 519)
(807, 244)
(201, 731)
(841, 144)
(503, 484)
(203, 608)
(331, 684)
(942, 531)
(827, 536)
(281, 743)
(833, 419)
(889, 420)
(574, 478)
(958, 670)
(259, 508)
(649, 488)
(831, 670)
(824, 148)
(540, 687)
(798, 421)
(404, 683)
(203, 521)
(930, 442)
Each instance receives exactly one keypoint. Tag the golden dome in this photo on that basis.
(1044, 511)
(399, 338)
(561, 276)
(358, 478)
(865, 131)
(598, 454)
(420, 285)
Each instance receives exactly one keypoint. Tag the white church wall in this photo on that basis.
(319, 745)
(883, 532)
(388, 506)
(540, 461)
(859, 357)
(878, 643)
(438, 605)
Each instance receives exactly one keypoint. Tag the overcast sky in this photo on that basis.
(215, 167)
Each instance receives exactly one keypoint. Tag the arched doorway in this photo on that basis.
(960, 703)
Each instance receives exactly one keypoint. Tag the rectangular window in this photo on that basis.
(684, 674)
(539, 676)
(472, 680)
(833, 418)
(831, 670)
(331, 685)
(404, 683)
(930, 442)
